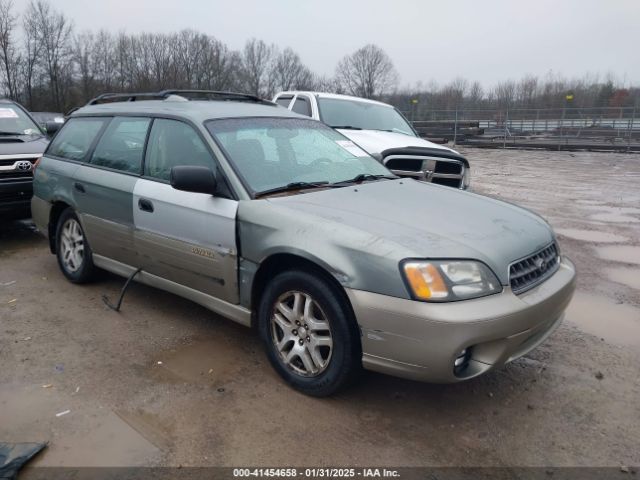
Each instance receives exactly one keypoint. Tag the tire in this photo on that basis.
(73, 250)
(322, 358)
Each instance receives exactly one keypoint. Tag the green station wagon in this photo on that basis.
(277, 221)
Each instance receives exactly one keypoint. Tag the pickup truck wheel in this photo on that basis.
(72, 249)
(310, 336)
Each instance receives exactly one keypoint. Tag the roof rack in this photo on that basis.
(186, 94)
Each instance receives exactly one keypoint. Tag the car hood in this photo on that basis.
(376, 141)
(426, 221)
(23, 144)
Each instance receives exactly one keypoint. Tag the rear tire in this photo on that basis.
(73, 250)
(309, 333)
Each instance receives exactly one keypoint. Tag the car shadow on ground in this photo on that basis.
(18, 234)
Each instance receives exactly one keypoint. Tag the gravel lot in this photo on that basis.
(165, 382)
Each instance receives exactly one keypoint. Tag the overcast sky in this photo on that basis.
(488, 40)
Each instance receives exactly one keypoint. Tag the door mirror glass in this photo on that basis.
(194, 179)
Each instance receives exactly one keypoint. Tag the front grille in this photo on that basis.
(535, 269)
(454, 168)
(7, 167)
(20, 196)
(10, 161)
(442, 171)
(447, 182)
(9, 177)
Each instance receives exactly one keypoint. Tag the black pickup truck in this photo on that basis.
(22, 142)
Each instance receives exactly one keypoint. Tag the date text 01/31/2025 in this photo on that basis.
(316, 472)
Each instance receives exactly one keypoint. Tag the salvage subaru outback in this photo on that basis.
(280, 222)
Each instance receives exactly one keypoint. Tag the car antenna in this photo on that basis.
(116, 307)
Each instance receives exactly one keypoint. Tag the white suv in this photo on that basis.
(383, 132)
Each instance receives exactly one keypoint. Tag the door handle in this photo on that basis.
(79, 187)
(145, 205)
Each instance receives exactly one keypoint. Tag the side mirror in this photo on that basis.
(52, 127)
(193, 179)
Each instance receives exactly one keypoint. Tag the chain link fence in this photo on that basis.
(609, 129)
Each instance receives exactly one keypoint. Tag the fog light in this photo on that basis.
(462, 361)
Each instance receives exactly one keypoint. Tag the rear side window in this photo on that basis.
(122, 144)
(302, 106)
(284, 101)
(75, 138)
(173, 143)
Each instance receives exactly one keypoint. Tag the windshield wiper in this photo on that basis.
(293, 186)
(362, 177)
(346, 127)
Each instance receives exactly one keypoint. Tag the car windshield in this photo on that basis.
(273, 153)
(340, 113)
(13, 121)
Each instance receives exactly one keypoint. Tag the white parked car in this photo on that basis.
(383, 132)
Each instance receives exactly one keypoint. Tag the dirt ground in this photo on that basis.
(165, 382)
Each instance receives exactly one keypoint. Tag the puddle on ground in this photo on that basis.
(620, 253)
(211, 362)
(599, 316)
(614, 218)
(591, 235)
(626, 276)
(150, 426)
(87, 436)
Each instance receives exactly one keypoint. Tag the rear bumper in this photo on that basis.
(421, 341)
(15, 198)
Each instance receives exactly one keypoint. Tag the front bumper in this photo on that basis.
(15, 197)
(421, 341)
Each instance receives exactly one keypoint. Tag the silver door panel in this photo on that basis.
(189, 238)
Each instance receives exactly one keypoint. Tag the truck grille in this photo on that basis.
(533, 270)
(443, 171)
(14, 167)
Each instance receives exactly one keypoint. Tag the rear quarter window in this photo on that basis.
(122, 144)
(75, 138)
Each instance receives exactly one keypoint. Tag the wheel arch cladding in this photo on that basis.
(284, 261)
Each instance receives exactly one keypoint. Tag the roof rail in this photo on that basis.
(187, 94)
(215, 95)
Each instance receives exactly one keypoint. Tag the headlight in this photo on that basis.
(449, 280)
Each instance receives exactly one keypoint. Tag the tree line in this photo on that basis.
(46, 64)
(531, 92)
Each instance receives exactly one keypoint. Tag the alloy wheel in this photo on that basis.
(72, 245)
(301, 334)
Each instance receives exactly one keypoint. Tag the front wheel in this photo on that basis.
(310, 336)
(72, 249)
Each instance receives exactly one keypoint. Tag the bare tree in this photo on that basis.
(476, 94)
(54, 34)
(289, 72)
(368, 72)
(9, 54)
(504, 93)
(31, 56)
(256, 61)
